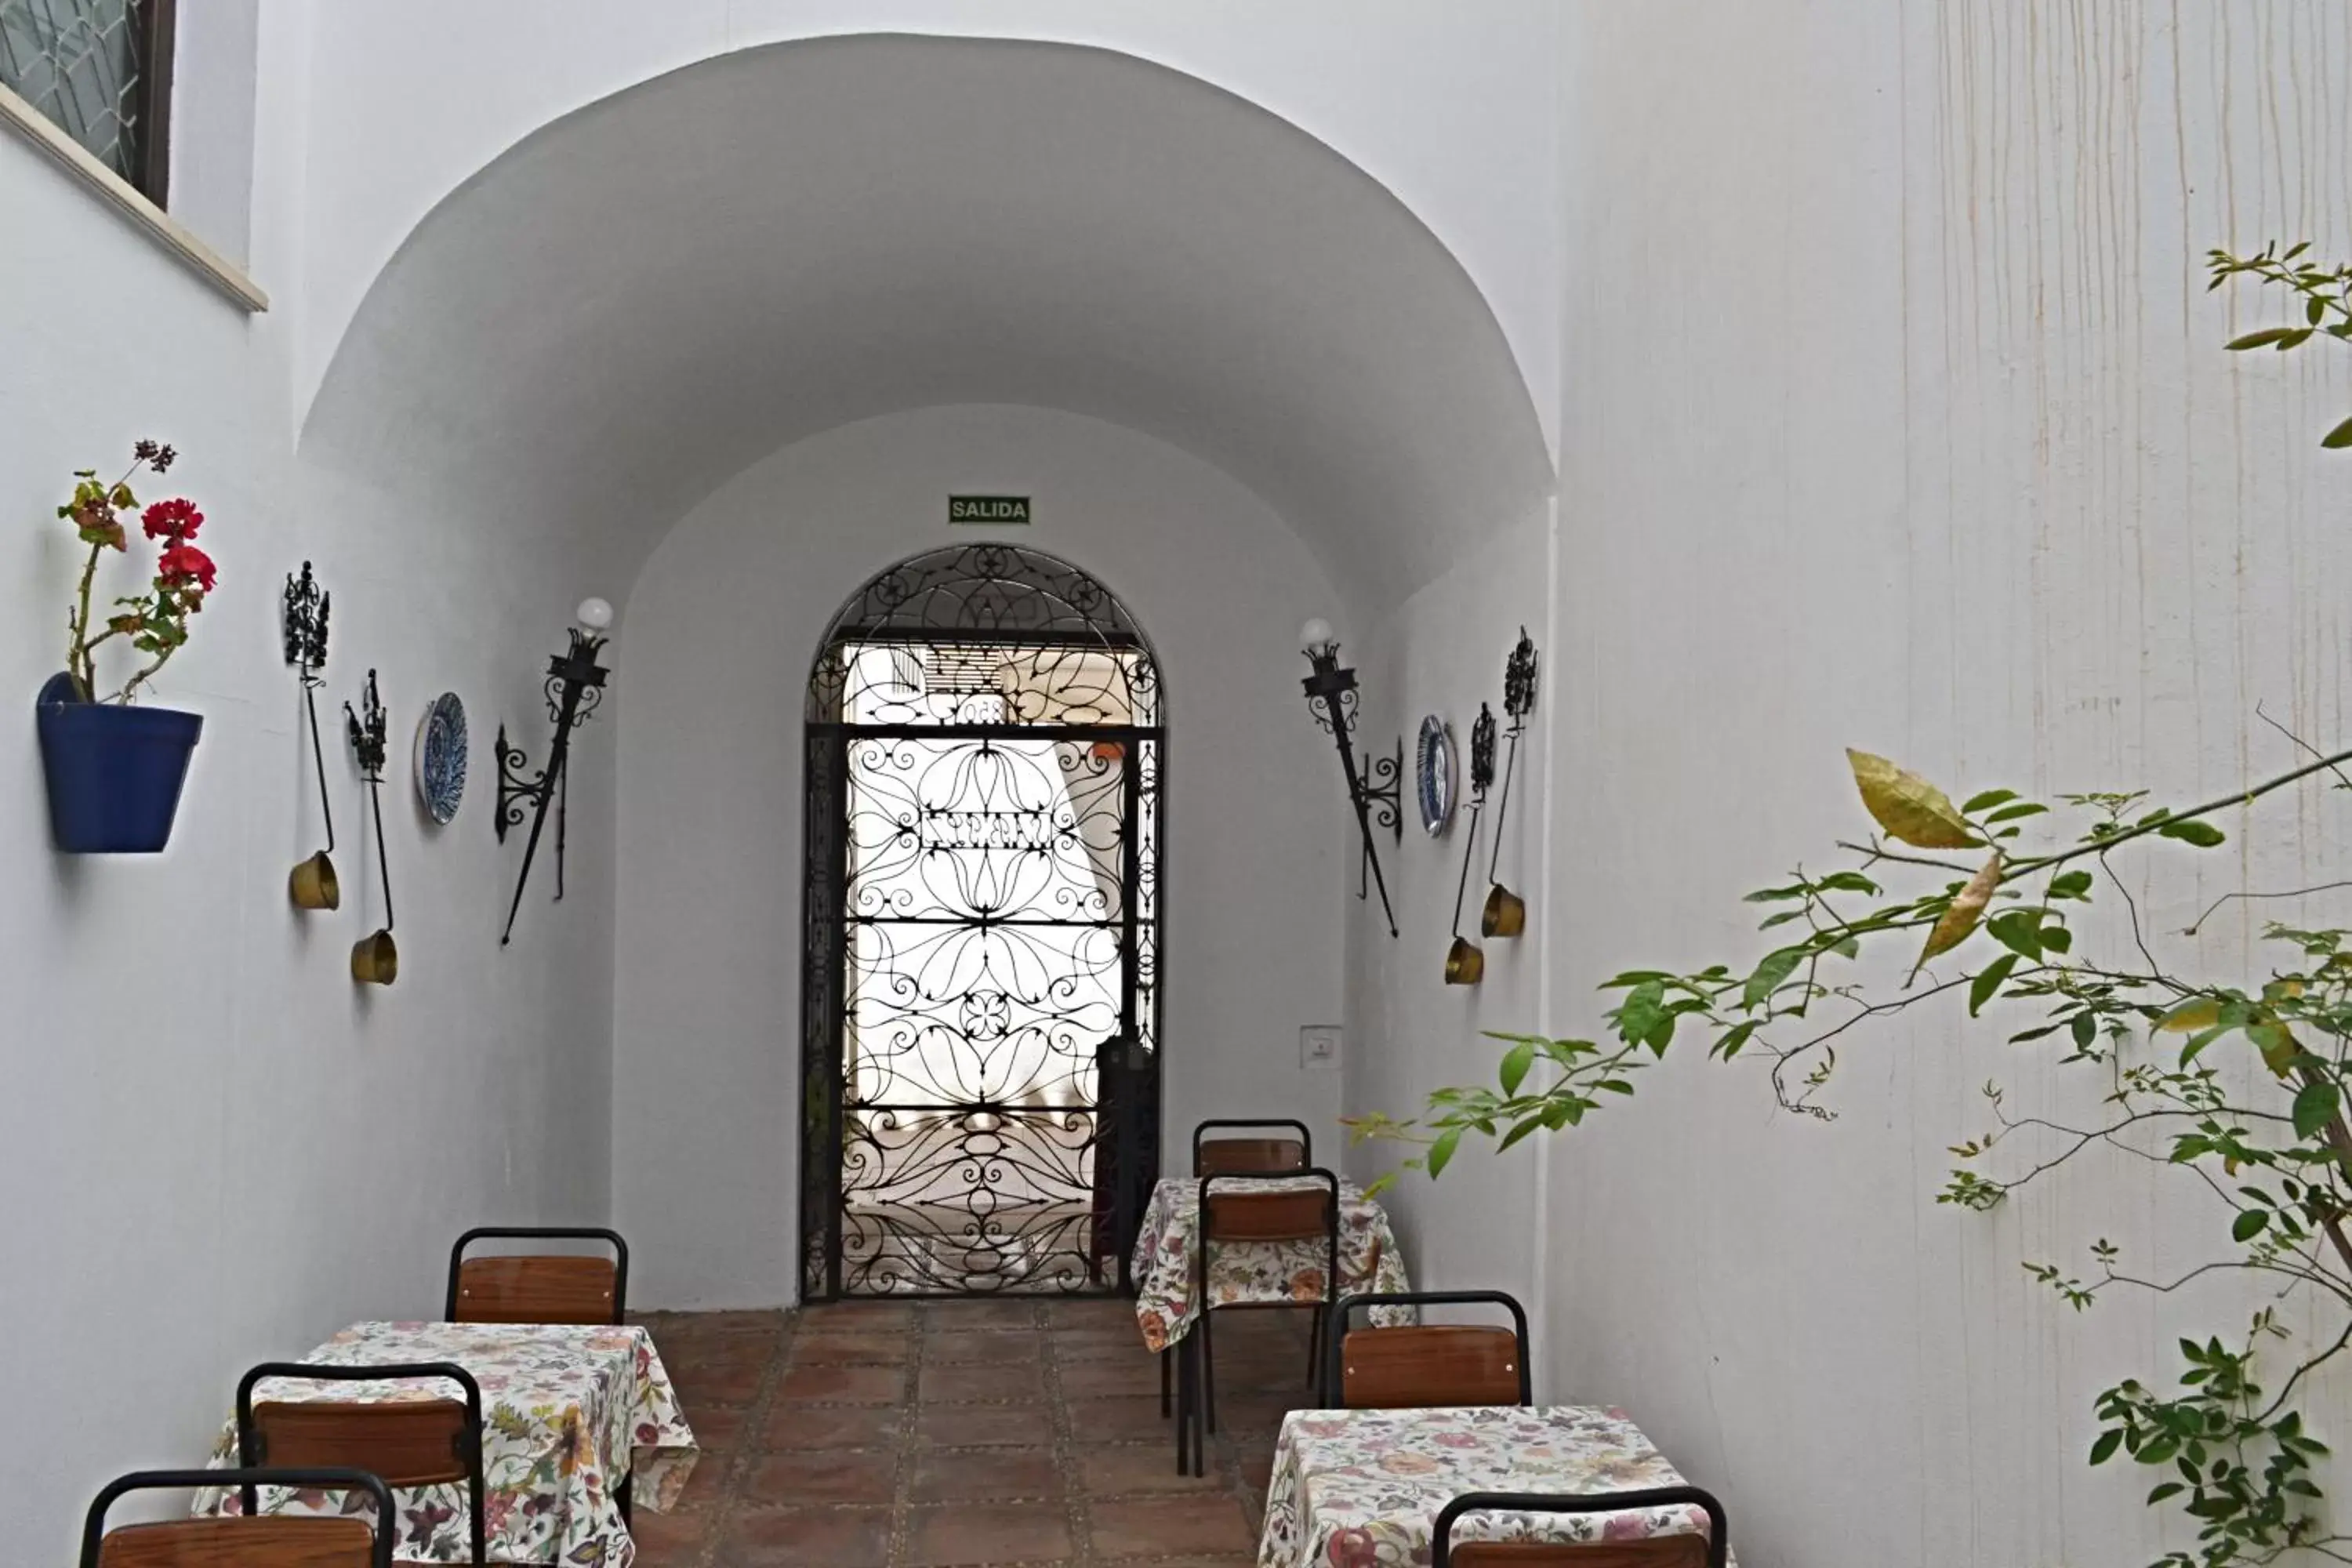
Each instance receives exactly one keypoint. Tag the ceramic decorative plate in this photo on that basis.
(1434, 775)
(441, 756)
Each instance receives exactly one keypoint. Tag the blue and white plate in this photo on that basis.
(441, 756)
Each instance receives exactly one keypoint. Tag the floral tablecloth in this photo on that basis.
(1361, 1488)
(568, 1413)
(1271, 1272)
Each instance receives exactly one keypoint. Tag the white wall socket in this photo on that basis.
(1319, 1046)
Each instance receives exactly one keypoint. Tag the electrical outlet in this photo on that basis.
(1319, 1046)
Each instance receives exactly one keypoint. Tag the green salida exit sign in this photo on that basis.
(999, 511)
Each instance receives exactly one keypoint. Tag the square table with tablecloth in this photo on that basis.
(1361, 1488)
(569, 1413)
(1260, 1272)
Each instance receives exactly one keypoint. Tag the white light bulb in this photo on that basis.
(594, 613)
(1316, 633)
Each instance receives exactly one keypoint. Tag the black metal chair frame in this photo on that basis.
(1306, 1138)
(387, 1524)
(469, 1442)
(543, 1232)
(1718, 1530)
(1197, 1415)
(1334, 1390)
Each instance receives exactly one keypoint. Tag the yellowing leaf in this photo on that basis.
(2278, 1045)
(1908, 806)
(1960, 916)
(2197, 1013)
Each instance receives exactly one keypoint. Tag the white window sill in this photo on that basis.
(151, 220)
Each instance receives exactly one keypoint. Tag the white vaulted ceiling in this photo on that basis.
(643, 297)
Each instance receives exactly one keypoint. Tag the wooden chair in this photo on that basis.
(1250, 1156)
(538, 1288)
(1427, 1364)
(253, 1541)
(1230, 1212)
(408, 1442)
(1712, 1549)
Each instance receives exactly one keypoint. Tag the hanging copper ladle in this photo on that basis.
(1464, 963)
(1505, 913)
(376, 960)
(311, 884)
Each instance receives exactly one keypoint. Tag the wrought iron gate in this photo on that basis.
(980, 1030)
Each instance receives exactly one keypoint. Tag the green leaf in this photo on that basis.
(1516, 1063)
(1770, 974)
(1983, 989)
(2104, 1449)
(2022, 809)
(1441, 1152)
(2338, 438)
(2250, 1224)
(1988, 799)
(2203, 835)
(2261, 340)
(2313, 1106)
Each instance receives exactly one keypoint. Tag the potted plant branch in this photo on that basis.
(114, 770)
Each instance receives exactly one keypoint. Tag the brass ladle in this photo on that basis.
(1505, 913)
(312, 884)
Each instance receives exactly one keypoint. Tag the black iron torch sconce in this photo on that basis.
(574, 686)
(1505, 913)
(311, 884)
(1378, 796)
(1466, 962)
(376, 960)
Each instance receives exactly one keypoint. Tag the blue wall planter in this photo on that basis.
(114, 773)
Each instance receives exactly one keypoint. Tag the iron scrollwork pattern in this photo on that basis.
(981, 966)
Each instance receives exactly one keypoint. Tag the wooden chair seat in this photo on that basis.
(409, 1443)
(249, 1539)
(539, 1288)
(1248, 1156)
(1417, 1368)
(1267, 1216)
(289, 1540)
(546, 1289)
(1658, 1552)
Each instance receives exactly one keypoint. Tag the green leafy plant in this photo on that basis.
(2238, 1093)
(2326, 293)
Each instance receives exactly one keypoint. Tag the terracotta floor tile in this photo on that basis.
(950, 1317)
(985, 1475)
(972, 1426)
(999, 1347)
(861, 1316)
(842, 1386)
(983, 1532)
(1121, 1469)
(1136, 1374)
(843, 1348)
(1158, 1527)
(831, 1426)
(968, 1385)
(807, 1538)
(823, 1476)
(699, 1387)
(666, 1539)
(1114, 1310)
(1103, 1345)
(1120, 1420)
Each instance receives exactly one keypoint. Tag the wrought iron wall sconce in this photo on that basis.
(1505, 913)
(1378, 797)
(376, 960)
(311, 884)
(574, 686)
(1465, 964)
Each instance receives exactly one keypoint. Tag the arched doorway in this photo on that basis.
(985, 743)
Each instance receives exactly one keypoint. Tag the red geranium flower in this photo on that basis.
(181, 563)
(175, 520)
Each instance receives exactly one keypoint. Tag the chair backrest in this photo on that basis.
(537, 1288)
(1431, 1365)
(275, 1540)
(1712, 1549)
(1230, 1156)
(408, 1442)
(1267, 1206)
